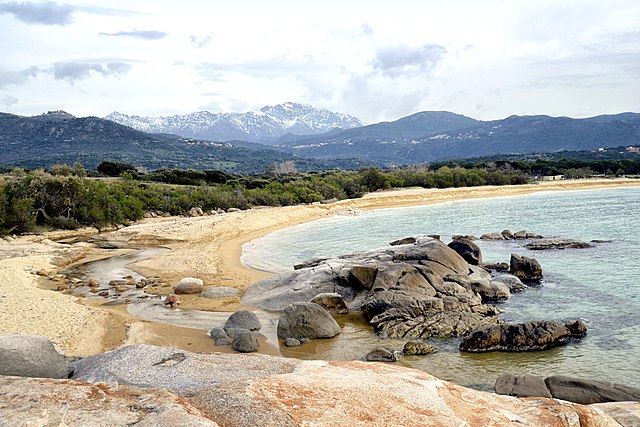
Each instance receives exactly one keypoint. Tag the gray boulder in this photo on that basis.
(492, 236)
(380, 354)
(363, 276)
(242, 319)
(31, 356)
(525, 269)
(522, 336)
(521, 386)
(587, 392)
(467, 250)
(306, 320)
(217, 334)
(507, 234)
(292, 342)
(332, 302)
(189, 285)
(245, 341)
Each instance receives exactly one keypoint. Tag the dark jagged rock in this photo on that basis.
(380, 354)
(306, 320)
(497, 266)
(363, 276)
(525, 269)
(522, 336)
(467, 250)
(507, 234)
(546, 244)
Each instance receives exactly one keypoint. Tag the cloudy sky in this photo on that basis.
(377, 60)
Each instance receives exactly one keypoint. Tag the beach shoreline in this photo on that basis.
(208, 247)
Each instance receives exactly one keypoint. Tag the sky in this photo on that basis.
(376, 60)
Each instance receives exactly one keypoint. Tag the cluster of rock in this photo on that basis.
(156, 386)
(240, 330)
(416, 288)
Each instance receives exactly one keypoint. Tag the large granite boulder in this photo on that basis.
(31, 356)
(467, 250)
(306, 320)
(589, 391)
(524, 268)
(522, 336)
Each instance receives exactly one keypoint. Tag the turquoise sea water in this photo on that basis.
(600, 285)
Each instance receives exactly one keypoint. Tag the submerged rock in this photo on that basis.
(522, 336)
(546, 244)
(521, 386)
(413, 348)
(380, 354)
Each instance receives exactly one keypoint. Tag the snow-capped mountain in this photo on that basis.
(263, 126)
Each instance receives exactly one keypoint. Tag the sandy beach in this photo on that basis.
(207, 247)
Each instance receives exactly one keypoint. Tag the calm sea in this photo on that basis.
(600, 285)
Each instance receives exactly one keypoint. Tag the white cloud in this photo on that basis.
(376, 60)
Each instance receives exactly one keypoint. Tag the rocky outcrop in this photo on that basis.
(467, 250)
(566, 388)
(522, 336)
(524, 268)
(306, 320)
(189, 285)
(512, 282)
(239, 390)
(546, 244)
(409, 290)
(31, 356)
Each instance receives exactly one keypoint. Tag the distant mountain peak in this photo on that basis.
(265, 125)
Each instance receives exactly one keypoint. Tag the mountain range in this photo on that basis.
(440, 135)
(263, 126)
(58, 137)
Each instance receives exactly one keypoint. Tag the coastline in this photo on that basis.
(207, 247)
